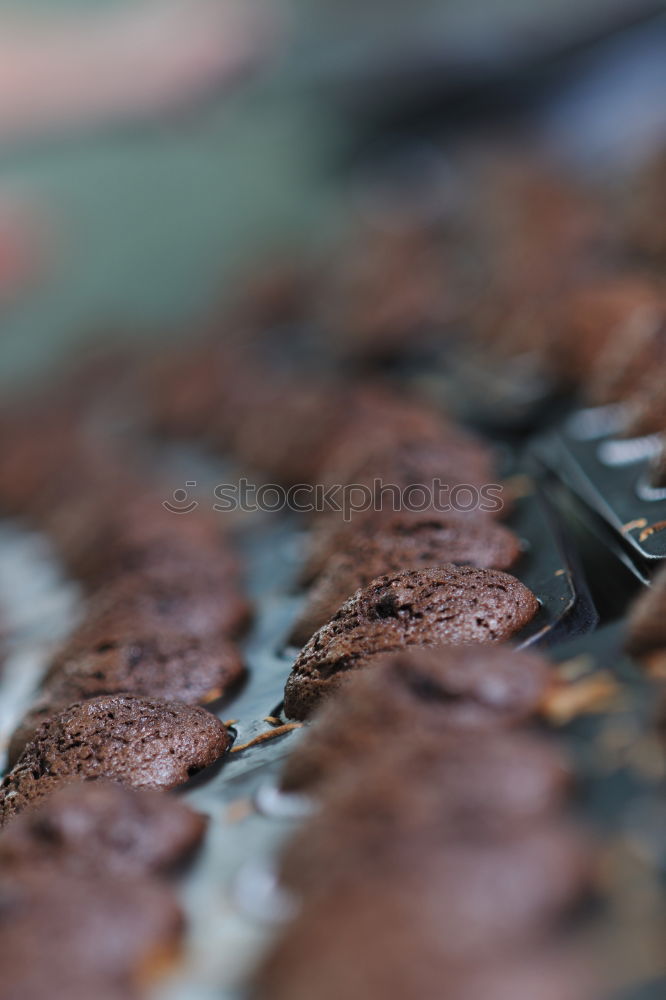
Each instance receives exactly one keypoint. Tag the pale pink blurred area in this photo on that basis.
(66, 69)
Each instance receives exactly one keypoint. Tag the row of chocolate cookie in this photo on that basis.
(537, 268)
(381, 443)
(393, 574)
(440, 858)
(165, 598)
(424, 799)
(119, 704)
(88, 905)
(536, 264)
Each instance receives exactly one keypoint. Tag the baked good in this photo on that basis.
(101, 827)
(184, 388)
(454, 457)
(37, 441)
(297, 431)
(637, 348)
(62, 934)
(393, 291)
(416, 690)
(403, 542)
(201, 605)
(647, 207)
(153, 664)
(644, 412)
(113, 530)
(439, 786)
(647, 622)
(593, 316)
(337, 948)
(483, 897)
(433, 607)
(332, 534)
(453, 478)
(144, 742)
(378, 420)
(284, 436)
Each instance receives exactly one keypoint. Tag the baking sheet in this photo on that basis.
(611, 475)
(231, 901)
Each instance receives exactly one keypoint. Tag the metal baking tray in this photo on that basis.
(229, 897)
(611, 475)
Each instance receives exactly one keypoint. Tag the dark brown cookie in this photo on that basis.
(417, 690)
(184, 387)
(38, 440)
(483, 896)
(144, 742)
(332, 950)
(133, 661)
(644, 412)
(389, 292)
(454, 458)
(593, 316)
(647, 622)
(101, 827)
(61, 932)
(399, 543)
(286, 434)
(186, 604)
(295, 431)
(637, 348)
(647, 208)
(110, 530)
(432, 607)
(332, 534)
(377, 421)
(459, 787)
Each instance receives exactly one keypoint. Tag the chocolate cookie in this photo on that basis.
(331, 534)
(38, 439)
(332, 951)
(416, 690)
(437, 786)
(183, 388)
(482, 896)
(145, 742)
(638, 347)
(61, 933)
(391, 293)
(647, 621)
(648, 207)
(111, 530)
(297, 431)
(644, 412)
(376, 421)
(100, 827)
(433, 607)
(201, 606)
(455, 457)
(179, 668)
(593, 316)
(399, 543)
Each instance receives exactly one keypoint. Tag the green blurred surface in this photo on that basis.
(145, 228)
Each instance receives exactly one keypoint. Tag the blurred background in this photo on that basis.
(149, 149)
